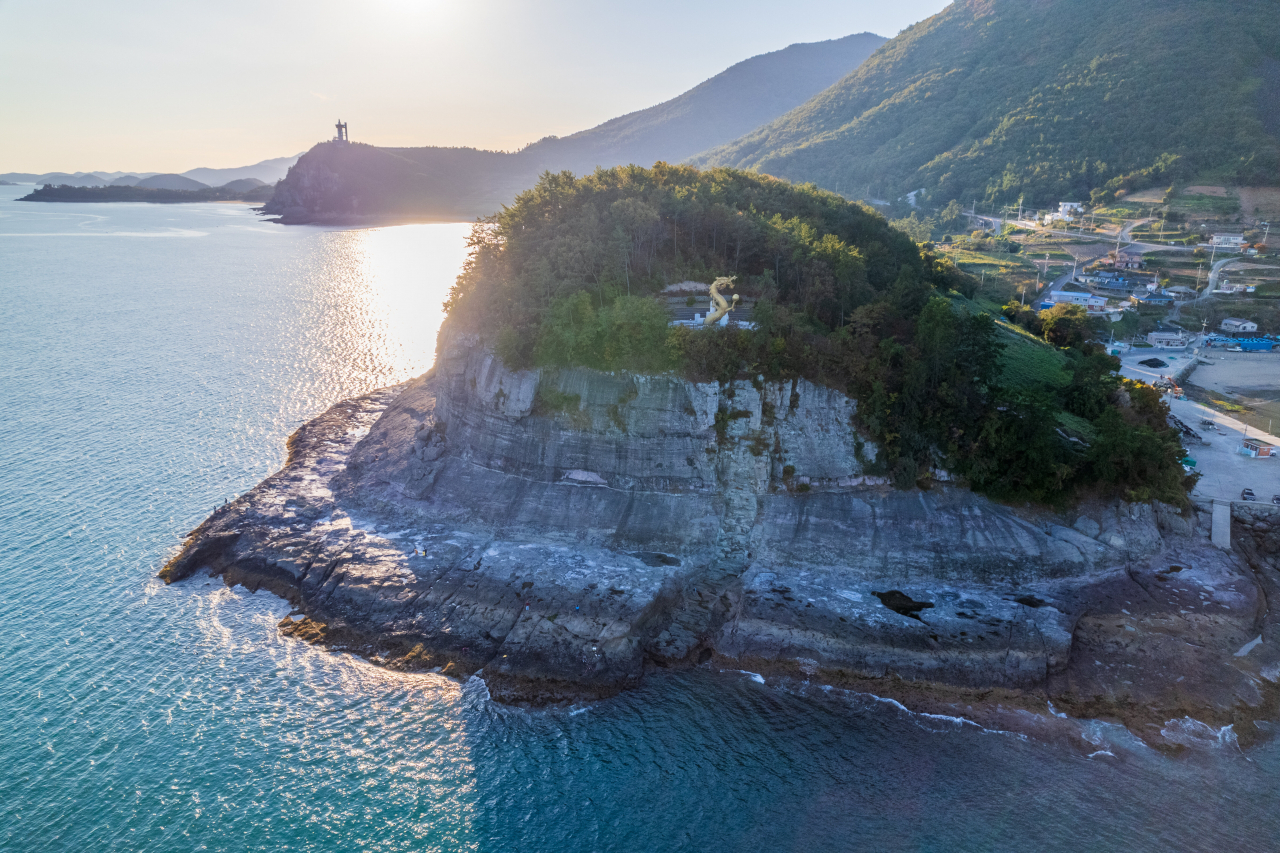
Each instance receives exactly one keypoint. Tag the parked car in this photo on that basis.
(1275, 499)
(1248, 495)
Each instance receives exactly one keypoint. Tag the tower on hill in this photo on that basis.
(342, 132)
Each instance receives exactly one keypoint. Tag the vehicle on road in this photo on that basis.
(1248, 495)
(1275, 499)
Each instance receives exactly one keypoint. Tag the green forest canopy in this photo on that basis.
(993, 100)
(567, 276)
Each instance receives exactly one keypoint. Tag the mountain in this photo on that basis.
(126, 181)
(735, 101)
(338, 181)
(335, 181)
(243, 184)
(57, 179)
(268, 171)
(171, 182)
(1047, 99)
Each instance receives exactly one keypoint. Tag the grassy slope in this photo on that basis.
(1027, 361)
(995, 98)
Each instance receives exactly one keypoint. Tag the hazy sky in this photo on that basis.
(156, 85)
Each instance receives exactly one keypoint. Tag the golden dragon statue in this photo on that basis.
(719, 305)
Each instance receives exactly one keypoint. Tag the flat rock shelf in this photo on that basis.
(562, 532)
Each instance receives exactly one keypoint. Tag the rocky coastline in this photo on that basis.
(562, 533)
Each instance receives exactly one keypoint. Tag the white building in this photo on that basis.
(1069, 208)
(1234, 325)
(1092, 304)
(1227, 241)
(1167, 340)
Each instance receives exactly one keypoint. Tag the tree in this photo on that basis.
(1065, 325)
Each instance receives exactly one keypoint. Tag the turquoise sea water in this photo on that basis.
(152, 361)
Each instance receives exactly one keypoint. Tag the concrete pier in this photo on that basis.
(1222, 524)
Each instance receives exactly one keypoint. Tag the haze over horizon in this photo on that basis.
(160, 88)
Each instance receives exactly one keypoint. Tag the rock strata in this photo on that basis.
(561, 532)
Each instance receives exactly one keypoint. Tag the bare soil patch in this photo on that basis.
(1151, 196)
(1264, 200)
(1220, 192)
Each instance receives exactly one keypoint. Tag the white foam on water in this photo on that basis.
(1192, 733)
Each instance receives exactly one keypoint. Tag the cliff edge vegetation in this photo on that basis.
(568, 275)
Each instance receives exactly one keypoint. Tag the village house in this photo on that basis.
(1070, 208)
(1092, 304)
(1151, 298)
(1126, 261)
(1167, 340)
(1257, 448)
(1236, 325)
(1227, 241)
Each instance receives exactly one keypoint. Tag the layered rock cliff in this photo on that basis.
(560, 532)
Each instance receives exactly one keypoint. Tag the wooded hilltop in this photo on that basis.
(568, 275)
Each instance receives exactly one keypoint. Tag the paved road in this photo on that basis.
(1224, 471)
(1126, 233)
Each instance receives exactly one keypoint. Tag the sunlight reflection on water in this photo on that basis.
(383, 292)
(144, 381)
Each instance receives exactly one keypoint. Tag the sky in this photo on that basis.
(158, 85)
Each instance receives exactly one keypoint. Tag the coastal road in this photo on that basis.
(1224, 472)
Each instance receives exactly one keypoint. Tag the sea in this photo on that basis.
(153, 360)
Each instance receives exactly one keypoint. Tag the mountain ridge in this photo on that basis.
(341, 182)
(993, 99)
(738, 99)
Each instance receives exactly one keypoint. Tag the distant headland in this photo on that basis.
(245, 190)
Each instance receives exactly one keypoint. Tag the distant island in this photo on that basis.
(7, 184)
(234, 191)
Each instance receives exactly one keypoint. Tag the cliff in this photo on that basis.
(562, 532)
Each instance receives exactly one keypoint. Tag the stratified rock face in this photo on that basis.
(562, 529)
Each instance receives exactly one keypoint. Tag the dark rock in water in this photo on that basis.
(558, 532)
(902, 604)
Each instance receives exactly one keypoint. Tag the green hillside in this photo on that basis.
(573, 273)
(1053, 99)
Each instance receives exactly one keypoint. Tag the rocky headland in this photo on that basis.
(562, 532)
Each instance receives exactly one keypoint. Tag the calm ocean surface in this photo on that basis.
(153, 360)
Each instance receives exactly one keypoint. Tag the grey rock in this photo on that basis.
(1087, 526)
(561, 530)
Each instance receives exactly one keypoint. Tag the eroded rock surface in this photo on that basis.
(561, 531)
